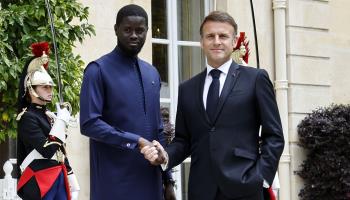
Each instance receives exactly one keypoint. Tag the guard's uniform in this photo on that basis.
(39, 177)
(41, 155)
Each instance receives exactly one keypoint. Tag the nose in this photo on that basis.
(133, 35)
(217, 40)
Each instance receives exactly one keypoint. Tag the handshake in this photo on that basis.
(153, 152)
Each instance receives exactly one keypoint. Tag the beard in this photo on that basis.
(133, 51)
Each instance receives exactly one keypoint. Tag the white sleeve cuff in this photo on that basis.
(266, 184)
(165, 165)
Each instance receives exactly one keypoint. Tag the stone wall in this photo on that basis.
(318, 45)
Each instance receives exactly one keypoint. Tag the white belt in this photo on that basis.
(30, 157)
(36, 155)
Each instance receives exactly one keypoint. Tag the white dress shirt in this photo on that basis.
(208, 79)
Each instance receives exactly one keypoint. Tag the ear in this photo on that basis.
(31, 92)
(235, 40)
(115, 29)
(201, 42)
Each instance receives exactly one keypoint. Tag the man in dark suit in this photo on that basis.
(218, 118)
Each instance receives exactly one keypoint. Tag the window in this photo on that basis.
(161, 44)
(177, 55)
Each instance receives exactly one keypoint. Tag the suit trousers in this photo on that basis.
(257, 196)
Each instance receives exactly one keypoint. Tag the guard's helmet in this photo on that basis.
(34, 73)
(37, 74)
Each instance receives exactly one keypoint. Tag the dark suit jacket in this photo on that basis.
(225, 152)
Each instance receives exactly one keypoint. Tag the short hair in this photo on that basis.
(219, 16)
(131, 10)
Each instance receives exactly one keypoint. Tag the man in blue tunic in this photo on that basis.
(120, 113)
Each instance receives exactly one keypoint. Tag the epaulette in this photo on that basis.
(21, 113)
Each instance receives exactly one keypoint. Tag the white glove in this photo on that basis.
(59, 126)
(74, 195)
(73, 186)
(58, 130)
(63, 113)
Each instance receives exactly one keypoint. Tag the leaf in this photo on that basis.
(5, 76)
(7, 61)
(7, 45)
(3, 85)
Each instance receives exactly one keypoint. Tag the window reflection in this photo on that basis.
(159, 19)
(160, 61)
(190, 15)
(191, 62)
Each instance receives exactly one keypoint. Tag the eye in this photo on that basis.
(127, 29)
(140, 30)
(223, 36)
(210, 36)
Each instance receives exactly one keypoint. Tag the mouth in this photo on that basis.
(216, 50)
(133, 44)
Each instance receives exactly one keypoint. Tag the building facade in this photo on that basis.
(302, 44)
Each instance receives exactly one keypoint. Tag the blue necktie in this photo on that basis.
(213, 94)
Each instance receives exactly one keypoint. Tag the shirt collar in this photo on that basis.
(223, 68)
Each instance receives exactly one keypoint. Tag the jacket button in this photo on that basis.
(128, 144)
(212, 129)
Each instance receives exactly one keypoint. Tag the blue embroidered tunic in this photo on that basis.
(116, 109)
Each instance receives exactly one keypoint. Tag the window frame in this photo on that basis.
(173, 70)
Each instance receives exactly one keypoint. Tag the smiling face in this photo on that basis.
(131, 34)
(217, 42)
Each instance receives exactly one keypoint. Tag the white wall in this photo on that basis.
(318, 46)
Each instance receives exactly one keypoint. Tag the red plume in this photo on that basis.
(240, 39)
(38, 48)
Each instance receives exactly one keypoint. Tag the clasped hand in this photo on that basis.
(154, 153)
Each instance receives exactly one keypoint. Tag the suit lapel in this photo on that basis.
(231, 79)
(200, 88)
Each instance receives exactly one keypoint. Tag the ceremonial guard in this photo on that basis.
(45, 170)
(241, 52)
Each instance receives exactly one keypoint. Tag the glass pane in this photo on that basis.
(185, 172)
(165, 105)
(159, 19)
(160, 61)
(191, 62)
(190, 15)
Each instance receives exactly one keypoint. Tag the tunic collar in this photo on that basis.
(121, 52)
(38, 107)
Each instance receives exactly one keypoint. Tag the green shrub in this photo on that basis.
(325, 134)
